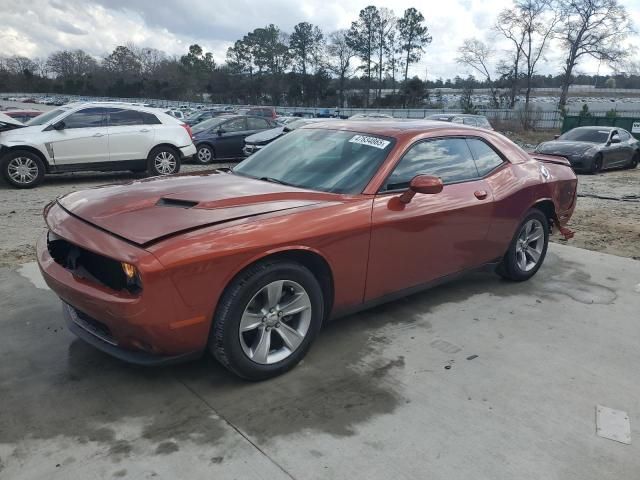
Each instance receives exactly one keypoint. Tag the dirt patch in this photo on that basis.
(609, 226)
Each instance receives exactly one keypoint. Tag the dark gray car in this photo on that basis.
(595, 148)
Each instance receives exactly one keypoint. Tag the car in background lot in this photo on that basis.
(94, 137)
(179, 114)
(23, 115)
(595, 148)
(333, 218)
(479, 121)
(259, 140)
(223, 137)
(203, 115)
(265, 112)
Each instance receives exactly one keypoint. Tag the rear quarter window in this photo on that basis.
(486, 158)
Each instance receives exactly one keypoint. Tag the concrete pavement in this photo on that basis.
(395, 392)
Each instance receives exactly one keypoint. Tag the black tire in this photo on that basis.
(29, 160)
(204, 154)
(224, 339)
(596, 164)
(509, 268)
(154, 162)
(634, 161)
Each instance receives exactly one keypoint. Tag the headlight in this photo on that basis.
(132, 277)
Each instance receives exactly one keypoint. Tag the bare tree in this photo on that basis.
(341, 55)
(476, 54)
(508, 25)
(538, 20)
(591, 28)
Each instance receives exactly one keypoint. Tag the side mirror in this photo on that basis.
(58, 125)
(221, 131)
(427, 184)
(555, 137)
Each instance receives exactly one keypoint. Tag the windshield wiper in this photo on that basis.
(275, 180)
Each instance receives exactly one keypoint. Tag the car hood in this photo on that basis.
(265, 136)
(8, 123)
(560, 147)
(18, 132)
(146, 211)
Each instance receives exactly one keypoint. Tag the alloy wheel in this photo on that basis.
(530, 244)
(275, 322)
(165, 163)
(22, 170)
(204, 155)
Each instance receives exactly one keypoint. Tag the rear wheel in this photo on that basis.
(267, 319)
(163, 161)
(204, 155)
(23, 169)
(528, 248)
(634, 161)
(596, 165)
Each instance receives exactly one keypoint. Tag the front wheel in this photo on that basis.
(634, 161)
(163, 161)
(267, 319)
(23, 169)
(528, 248)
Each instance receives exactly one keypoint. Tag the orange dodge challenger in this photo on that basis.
(329, 219)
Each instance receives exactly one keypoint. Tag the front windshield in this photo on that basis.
(586, 135)
(207, 124)
(318, 159)
(45, 117)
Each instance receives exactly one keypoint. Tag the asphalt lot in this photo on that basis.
(394, 392)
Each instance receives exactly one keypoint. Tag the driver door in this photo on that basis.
(230, 142)
(434, 235)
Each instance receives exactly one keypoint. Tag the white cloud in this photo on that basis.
(36, 28)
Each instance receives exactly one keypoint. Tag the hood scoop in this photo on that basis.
(175, 202)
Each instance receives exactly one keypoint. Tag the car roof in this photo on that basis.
(389, 128)
(597, 127)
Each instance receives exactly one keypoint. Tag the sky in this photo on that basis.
(36, 28)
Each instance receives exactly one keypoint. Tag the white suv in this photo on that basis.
(100, 136)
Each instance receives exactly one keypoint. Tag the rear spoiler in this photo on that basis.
(558, 160)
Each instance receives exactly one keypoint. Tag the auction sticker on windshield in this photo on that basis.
(370, 141)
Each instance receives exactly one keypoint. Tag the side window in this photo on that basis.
(470, 121)
(149, 119)
(624, 136)
(447, 158)
(121, 117)
(257, 123)
(235, 125)
(87, 118)
(486, 157)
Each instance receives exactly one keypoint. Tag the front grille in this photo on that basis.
(89, 265)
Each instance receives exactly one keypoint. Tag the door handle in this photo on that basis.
(98, 134)
(145, 130)
(480, 194)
